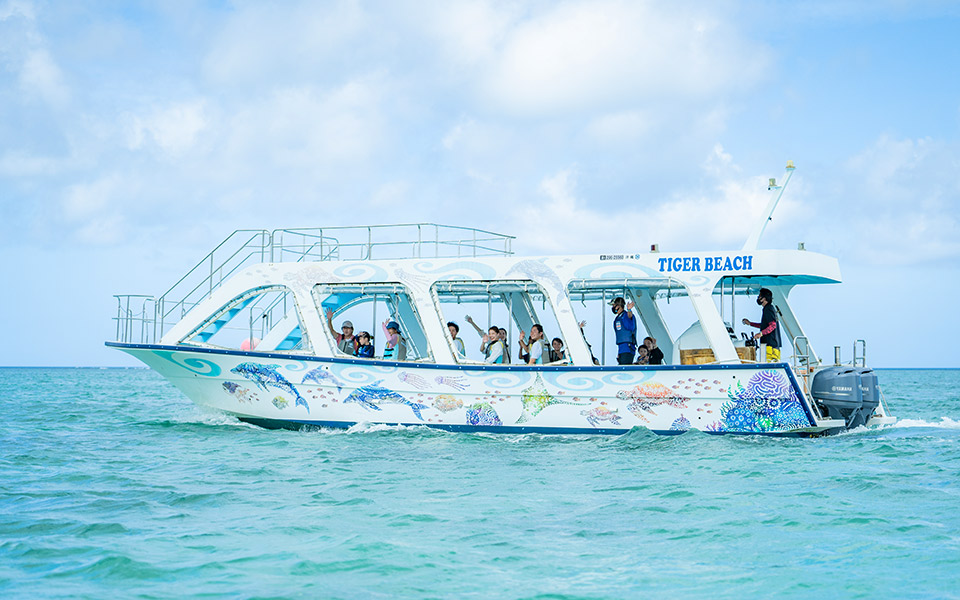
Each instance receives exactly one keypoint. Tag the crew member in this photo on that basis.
(769, 333)
(625, 328)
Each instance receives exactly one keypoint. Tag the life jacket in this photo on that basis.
(365, 351)
(544, 352)
(487, 351)
(397, 352)
(458, 346)
(625, 335)
(347, 345)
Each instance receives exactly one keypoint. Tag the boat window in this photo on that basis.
(264, 319)
(367, 307)
(656, 303)
(511, 305)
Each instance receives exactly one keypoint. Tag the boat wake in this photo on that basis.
(944, 423)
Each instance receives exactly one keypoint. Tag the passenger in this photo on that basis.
(625, 328)
(454, 329)
(769, 333)
(506, 346)
(395, 347)
(346, 342)
(364, 345)
(654, 354)
(539, 352)
(557, 353)
(492, 346)
(524, 344)
(643, 356)
(583, 324)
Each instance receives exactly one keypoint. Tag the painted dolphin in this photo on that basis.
(321, 374)
(267, 375)
(369, 396)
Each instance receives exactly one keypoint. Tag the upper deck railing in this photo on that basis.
(152, 317)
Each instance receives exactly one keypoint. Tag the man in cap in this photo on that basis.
(769, 333)
(346, 342)
(625, 329)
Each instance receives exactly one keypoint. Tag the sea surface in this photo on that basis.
(113, 484)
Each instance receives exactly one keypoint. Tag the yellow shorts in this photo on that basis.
(773, 354)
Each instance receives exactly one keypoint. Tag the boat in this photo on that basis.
(251, 331)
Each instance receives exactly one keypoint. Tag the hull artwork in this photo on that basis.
(277, 391)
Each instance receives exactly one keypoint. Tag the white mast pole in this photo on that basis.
(754, 240)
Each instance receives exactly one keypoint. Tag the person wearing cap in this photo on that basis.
(625, 328)
(364, 345)
(769, 333)
(454, 329)
(395, 348)
(346, 342)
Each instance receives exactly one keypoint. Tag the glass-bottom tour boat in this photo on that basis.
(251, 331)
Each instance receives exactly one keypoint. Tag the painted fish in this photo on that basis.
(536, 398)
(534, 269)
(370, 396)
(280, 402)
(267, 375)
(601, 413)
(230, 386)
(446, 403)
(321, 374)
(482, 413)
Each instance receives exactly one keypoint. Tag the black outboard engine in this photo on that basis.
(869, 386)
(839, 391)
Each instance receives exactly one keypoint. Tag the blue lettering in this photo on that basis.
(727, 265)
(707, 263)
(686, 264)
(737, 263)
(662, 261)
(747, 262)
(696, 263)
(677, 263)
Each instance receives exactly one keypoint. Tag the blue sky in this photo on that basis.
(135, 136)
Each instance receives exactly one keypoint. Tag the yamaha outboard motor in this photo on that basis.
(869, 386)
(838, 390)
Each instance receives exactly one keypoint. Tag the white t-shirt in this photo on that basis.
(536, 351)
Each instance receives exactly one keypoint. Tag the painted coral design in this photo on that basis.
(767, 403)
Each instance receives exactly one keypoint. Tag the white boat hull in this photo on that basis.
(275, 390)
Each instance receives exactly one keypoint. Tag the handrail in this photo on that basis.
(197, 284)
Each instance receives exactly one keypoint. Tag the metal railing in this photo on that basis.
(245, 247)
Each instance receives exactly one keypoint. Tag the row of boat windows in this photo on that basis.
(269, 319)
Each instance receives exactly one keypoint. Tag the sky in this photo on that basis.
(135, 136)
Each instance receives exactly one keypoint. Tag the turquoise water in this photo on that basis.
(114, 484)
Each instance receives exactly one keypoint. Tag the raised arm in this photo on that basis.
(469, 319)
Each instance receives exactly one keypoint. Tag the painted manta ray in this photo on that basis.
(321, 374)
(369, 396)
(267, 375)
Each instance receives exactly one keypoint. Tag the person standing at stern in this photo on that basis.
(625, 328)
(769, 333)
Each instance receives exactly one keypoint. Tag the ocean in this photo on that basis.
(113, 484)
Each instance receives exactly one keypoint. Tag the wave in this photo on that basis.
(944, 423)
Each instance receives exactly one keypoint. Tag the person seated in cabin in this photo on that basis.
(557, 353)
(506, 346)
(492, 346)
(458, 346)
(643, 356)
(539, 352)
(346, 341)
(654, 354)
(524, 344)
(364, 345)
(395, 347)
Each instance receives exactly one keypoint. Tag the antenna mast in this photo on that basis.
(754, 240)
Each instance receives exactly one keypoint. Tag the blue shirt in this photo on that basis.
(626, 329)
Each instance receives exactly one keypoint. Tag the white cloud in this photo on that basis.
(720, 218)
(174, 129)
(40, 75)
(84, 200)
(620, 127)
(611, 53)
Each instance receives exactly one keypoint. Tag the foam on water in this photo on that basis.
(113, 484)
